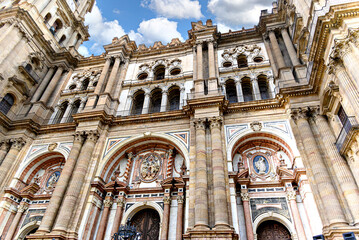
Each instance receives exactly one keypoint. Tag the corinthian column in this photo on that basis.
(340, 167)
(102, 76)
(166, 217)
(112, 78)
(179, 227)
(107, 203)
(291, 195)
(61, 185)
(276, 50)
(247, 214)
(119, 211)
(219, 183)
(76, 183)
(10, 159)
(199, 83)
(201, 197)
(4, 148)
(20, 211)
(45, 97)
(290, 48)
(42, 85)
(321, 177)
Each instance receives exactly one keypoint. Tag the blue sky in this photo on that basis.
(147, 21)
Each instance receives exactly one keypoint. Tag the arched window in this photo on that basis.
(75, 109)
(85, 84)
(247, 89)
(231, 91)
(242, 61)
(174, 98)
(159, 72)
(56, 26)
(263, 86)
(137, 103)
(28, 67)
(156, 99)
(6, 103)
(62, 39)
(47, 18)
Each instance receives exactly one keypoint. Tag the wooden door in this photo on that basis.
(272, 230)
(147, 222)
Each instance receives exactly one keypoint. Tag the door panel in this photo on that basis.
(147, 222)
(272, 230)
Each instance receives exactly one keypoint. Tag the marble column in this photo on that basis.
(255, 87)
(113, 75)
(219, 182)
(166, 217)
(103, 75)
(15, 222)
(4, 148)
(107, 203)
(10, 159)
(182, 97)
(179, 227)
(118, 216)
(339, 165)
(164, 100)
(76, 183)
(270, 56)
(321, 177)
(199, 83)
(122, 78)
(52, 85)
(61, 185)
(67, 114)
(211, 60)
(292, 199)
(276, 50)
(42, 85)
(247, 215)
(201, 187)
(239, 90)
(146, 103)
(290, 47)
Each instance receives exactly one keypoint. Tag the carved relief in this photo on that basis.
(150, 167)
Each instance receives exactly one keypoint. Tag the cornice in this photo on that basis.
(152, 117)
(257, 105)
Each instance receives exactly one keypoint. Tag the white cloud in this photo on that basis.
(223, 28)
(174, 8)
(84, 51)
(238, 13)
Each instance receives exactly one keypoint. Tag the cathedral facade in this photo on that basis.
(249, 134)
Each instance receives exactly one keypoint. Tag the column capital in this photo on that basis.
(167, 200)
(215, 122)
(17, 143)
(92, 135)
(107, 203)
(245, 197)
(303, 113)
(335, 64)
(4, 145)
(200, 123)
(22, 208)
(120, 202)
(291, 195)
(180, 199)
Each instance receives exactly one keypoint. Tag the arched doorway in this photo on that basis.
(147, 222)
(31, 232)
(272, 230)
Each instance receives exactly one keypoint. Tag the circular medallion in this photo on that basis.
(52, 180)
(150, 167)
(260, 165)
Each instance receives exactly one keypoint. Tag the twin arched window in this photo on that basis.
(6, 103)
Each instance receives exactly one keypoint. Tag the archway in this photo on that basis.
(272, 230)
(147, 222)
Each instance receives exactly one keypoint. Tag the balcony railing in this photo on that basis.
(349, 127)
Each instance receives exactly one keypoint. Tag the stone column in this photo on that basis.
(166, 217)
(255, 87)
(10, 159)
(182, 97)
(247, 215)
(61, 185)
(276, 50)
(4, 148)
(292, 196)
(211, 60)
(239, 90)
(339, 165)
(67, 114)
(118, 217)
(122, 78)
(103, 75)
(52, 85)
(107, 203)
(271, 87)
(321, 177)
(290, 48)
(146, 103)
(270, 56)
(164, 100)
(20, 211)
(199, 84)
(55, 114)
(201, 197)
(179, 227)
(345, 83)
(42, 85)
(219, 182)
(128, 105)
(76, 183)
(113, 75)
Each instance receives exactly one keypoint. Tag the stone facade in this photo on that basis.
(224, 136)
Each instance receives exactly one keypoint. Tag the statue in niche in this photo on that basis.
(51, 183)
(260, 165)
(150, 167)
